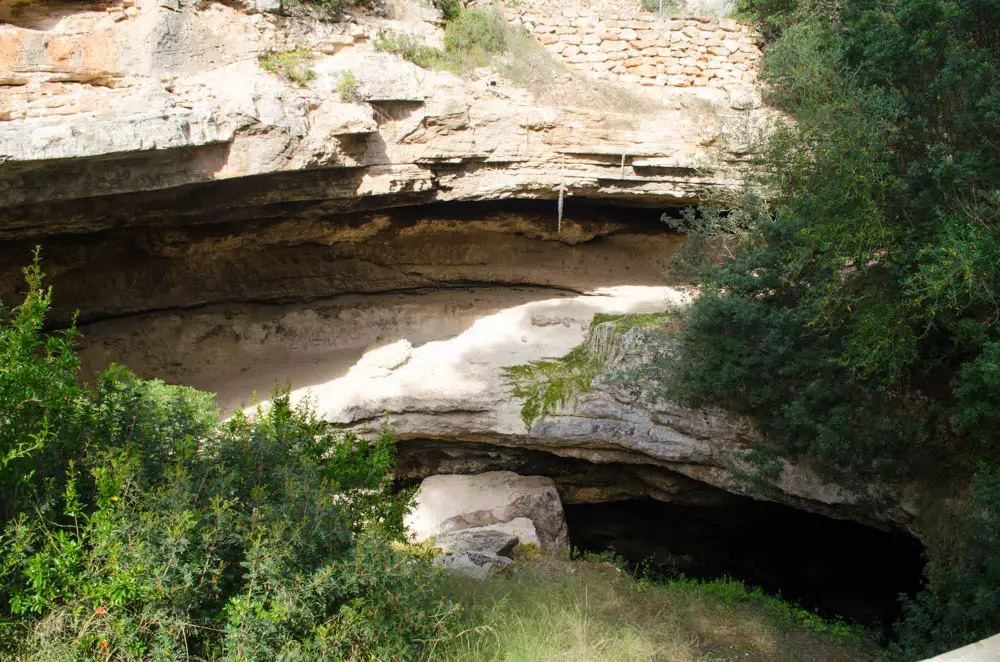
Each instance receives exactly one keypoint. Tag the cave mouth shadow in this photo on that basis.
(839, 568)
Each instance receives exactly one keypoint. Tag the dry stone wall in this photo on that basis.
(644, 48)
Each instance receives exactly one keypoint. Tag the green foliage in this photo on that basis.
(714, 233)
(450, 9)
(38, 395)
(477, 33)
(858, 322)
(547, 384)
(962, 602)
(347, 87)
(137, 526)
(472, 39)
(294, 66)
(410, 48)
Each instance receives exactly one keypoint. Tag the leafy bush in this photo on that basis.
(450, 9)
(962, 600)
(138, 526)
(347, 87)
(410, 48)
(294, 66)
(471, 39)
(858, 325)
(477, 33)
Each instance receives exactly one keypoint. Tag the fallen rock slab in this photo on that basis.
(448, 503)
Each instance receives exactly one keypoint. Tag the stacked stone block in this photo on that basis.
(646, 49)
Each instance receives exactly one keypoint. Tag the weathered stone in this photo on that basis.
(479, 539)
(744, 97)
(448, 503)
(474, 564)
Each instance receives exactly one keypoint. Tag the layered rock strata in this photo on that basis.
(148, 114)
(162, 168)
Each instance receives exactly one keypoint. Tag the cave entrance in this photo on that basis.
(681, 525)
(837, 567)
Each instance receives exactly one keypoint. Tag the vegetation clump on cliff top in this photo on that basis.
(472, 38)
(477, 38)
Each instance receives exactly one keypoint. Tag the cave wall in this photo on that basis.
(305, 257)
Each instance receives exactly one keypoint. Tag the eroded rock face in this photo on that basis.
(431, 364)
(162, 168)
(149, 114)
(302, 257)
(446, 504)
(476, 553)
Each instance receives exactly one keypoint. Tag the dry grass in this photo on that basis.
(587, 612)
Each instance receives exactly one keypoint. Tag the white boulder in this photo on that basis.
(448, 503)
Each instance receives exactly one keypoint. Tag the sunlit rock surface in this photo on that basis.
(430, 365)
(157, 114)
(234, 230)
(526, 507)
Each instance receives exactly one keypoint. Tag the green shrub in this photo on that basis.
(451, 9)
(294, 66)
(478, 34)
(472, 39)
(39, 392)
(409, 48)
(347, 87)
(859, 324)
(137, 526)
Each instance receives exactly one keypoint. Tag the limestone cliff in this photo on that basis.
(151, 113)
(176, 184)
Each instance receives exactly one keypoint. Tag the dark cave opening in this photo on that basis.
(840, 568)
